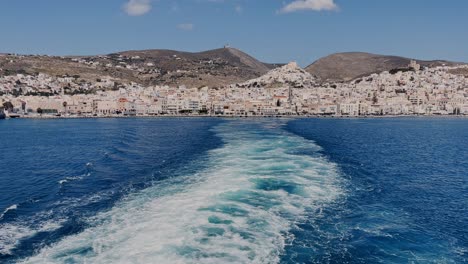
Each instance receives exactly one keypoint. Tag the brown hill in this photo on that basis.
(351, 65)
(148, 67)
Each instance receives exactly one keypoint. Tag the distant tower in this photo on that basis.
(227, 46)
(413, 64)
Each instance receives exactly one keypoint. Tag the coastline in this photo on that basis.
(48, 117)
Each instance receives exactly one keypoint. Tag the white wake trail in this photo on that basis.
(239, 209)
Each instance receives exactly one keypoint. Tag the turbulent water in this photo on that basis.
(233, 191)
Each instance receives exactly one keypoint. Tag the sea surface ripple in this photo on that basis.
(238, 209)
(201, 190)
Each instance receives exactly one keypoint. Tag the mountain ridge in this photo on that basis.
(346, 66)
(217, 67)
(212, 68)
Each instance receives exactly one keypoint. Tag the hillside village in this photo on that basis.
(287, 90)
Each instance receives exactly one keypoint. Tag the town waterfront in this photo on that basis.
(213, 190)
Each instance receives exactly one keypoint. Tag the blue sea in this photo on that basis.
(175, 190)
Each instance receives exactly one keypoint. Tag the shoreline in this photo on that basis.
(46, 117)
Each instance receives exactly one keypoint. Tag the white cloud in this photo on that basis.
(186, 26)
(137, 7)
(312, 5)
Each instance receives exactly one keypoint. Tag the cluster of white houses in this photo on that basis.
(285, 91)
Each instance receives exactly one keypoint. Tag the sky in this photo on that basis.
(274, 31)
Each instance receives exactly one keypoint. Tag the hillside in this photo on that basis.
(147, 67)
(213, 68)
(290, 75)
(351, 65)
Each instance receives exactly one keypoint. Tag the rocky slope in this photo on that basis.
(147, 67)
(213, 68)
(351, 65)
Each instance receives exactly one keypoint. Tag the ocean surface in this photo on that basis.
(192, 190)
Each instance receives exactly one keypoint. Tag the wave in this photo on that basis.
(239, 208)
(11, 208)
(12, 234)
(74, 178)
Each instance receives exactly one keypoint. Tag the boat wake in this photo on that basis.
(239, 208)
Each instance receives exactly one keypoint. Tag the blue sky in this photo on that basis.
(270, 30)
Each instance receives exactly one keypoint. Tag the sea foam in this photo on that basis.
(239, 208)
(11, 234)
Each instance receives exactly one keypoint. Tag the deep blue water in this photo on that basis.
(407, 192)
(237, 191)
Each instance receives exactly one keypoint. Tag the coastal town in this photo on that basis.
(284, 91)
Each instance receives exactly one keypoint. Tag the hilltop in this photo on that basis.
(213, 68)
(147, 67)
(351, 65)
(290, 75)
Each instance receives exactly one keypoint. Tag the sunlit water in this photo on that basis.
(233, 191)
